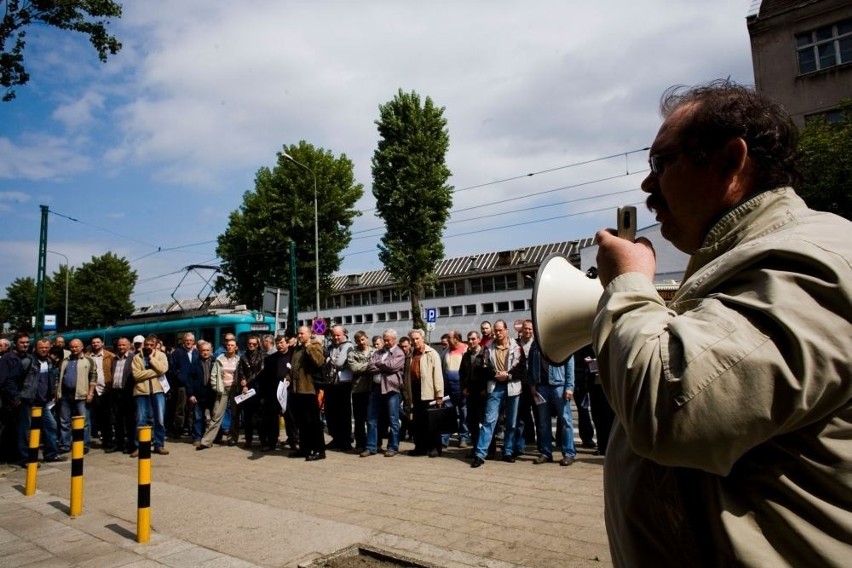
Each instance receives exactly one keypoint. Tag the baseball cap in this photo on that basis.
(138, 339)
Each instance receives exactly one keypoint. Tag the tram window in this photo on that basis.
(168, 338)
(208, 334)
(518, 305)
(470, 309)
(502, 306)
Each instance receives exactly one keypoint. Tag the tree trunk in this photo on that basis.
(416, 315)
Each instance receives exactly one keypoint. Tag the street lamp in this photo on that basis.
(316, 224)
(67, 273)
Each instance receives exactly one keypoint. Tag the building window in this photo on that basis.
(347, 320)
(368, 318)
(381, 317)
(444, 312)
(457, 311)
(359, 318)
(518, 305)
(488, 308)
(502, 306)
(824, 47)
(404, 315)
(470, 309)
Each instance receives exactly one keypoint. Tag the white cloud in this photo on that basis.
(40, 156)
(78, 113)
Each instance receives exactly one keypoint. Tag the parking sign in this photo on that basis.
(431, 315)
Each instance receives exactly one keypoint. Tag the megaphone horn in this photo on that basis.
(564, 299)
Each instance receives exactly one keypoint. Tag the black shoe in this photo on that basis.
(509, 458)
(477, 461)
(201, 447)
(297, 454)
(110, 450)
(434, 453)
(315, 457)
(55, 459)
(416, 453)
(543, 459)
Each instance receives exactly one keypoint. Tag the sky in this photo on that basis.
(550, 108)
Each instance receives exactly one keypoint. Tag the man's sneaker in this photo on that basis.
(366, 454)
(566, 461)
(390, 453)
(543, 459)
(161, 451)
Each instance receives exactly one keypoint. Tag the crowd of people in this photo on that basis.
(366, 394)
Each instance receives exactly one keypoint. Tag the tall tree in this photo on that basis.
(90, 17)
(54, 288)
(412, 196)
(825, 159)
(18, 308)
(255, 247)
(100, 291)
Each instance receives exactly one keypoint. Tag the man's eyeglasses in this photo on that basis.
(658, 162)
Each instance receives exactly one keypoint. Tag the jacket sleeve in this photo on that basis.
(742, 364)
(569, 374)
(315, 352)
(438, 377)
(357, 362)
(393, 363)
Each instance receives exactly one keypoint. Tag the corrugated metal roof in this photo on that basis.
(464, 265)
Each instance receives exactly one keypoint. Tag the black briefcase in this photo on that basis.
(442, 419)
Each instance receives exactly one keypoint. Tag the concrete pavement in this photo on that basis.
(233, 507)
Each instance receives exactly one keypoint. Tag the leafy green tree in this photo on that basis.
(255, 247)
(54, 292)
(412, 196)
(18, 308)
(100, 292)
(825, 159)
(89, 17)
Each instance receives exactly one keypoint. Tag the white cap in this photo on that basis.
(138, 339)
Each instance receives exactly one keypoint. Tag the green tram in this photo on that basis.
(169, 327)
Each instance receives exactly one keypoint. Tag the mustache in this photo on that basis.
(655, 202)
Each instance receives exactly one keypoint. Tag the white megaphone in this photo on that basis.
(565, 300)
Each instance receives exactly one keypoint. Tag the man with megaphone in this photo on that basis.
(732, 443)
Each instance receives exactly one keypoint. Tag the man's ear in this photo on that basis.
(735, 154)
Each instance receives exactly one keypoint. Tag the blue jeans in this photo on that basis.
(197, 421)
(390, 399)
(489, 421)
(48, 431)
(69, 407)
(457, 400)
(556, 404)
(152, 410)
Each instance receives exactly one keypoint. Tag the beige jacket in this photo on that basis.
(733, 436)
(431, 375)
(157, 367)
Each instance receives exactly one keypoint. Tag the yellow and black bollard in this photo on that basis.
(32, 460)
(143, 507)
(78, 426)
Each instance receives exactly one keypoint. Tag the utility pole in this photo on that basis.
(293, 312)
(42, 267)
